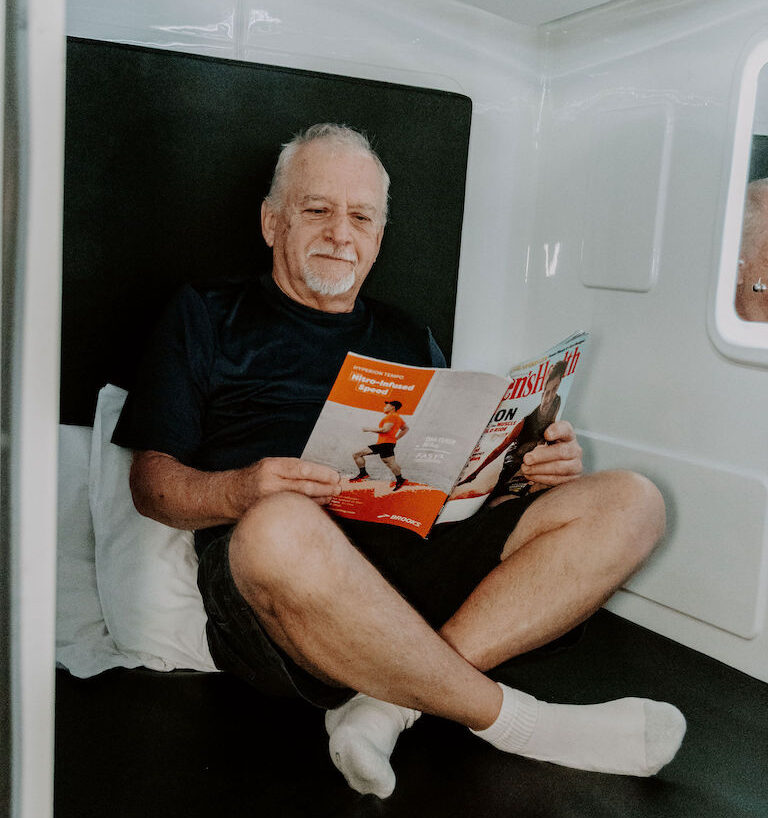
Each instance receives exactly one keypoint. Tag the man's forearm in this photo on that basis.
(182, 497)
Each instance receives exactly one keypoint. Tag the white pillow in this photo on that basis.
(83, 645)
(146, 572)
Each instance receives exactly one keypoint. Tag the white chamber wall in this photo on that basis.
(636, 142)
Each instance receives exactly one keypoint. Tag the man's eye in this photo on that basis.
(360, 217)
(315, 211)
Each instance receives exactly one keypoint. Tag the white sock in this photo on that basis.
(363, 733)
(625, 737)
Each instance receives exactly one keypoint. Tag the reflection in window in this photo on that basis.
(737, 319)
(751, 299)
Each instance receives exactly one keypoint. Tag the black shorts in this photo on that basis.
(435, 575)
(383, 449)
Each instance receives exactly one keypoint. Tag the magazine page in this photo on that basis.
(399, 436)
(535, 397)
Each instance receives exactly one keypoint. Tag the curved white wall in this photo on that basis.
(638, 137)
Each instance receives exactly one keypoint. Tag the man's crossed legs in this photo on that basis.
(326, 606)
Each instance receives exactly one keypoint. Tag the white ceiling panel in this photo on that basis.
(533, 12)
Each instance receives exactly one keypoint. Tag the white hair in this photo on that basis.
(341, 136)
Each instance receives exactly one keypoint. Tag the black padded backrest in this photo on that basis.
(168, 157)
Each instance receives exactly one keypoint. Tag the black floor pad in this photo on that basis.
(139, 743)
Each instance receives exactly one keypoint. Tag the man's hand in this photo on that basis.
(275, 474)
(557, 462)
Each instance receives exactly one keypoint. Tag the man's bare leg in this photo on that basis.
(572, 549)
(515, 610)
(333, 613)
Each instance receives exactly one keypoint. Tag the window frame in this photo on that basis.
(743, 341)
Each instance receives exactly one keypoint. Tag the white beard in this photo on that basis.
(322, 284)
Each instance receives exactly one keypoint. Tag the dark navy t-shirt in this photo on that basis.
(241, 372)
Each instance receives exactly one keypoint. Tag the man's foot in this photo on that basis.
(399, 482)
(359, 478)
(363, 733)
(624, 737)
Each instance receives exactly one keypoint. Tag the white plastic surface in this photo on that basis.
(35, 410)
(656, 380)
(629, 150)
(533, 12)
(712, 562)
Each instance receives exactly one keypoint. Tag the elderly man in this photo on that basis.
(370, 622)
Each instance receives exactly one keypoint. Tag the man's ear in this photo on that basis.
(268, 223)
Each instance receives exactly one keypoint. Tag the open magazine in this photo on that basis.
(415, 445)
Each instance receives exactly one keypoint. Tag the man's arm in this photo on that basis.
(186, 498)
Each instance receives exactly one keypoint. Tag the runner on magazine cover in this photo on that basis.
(390, 429)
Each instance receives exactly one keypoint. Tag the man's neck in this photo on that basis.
(324, 303)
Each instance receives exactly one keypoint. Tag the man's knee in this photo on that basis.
(620, 512)
(280, 540)
(637, 507)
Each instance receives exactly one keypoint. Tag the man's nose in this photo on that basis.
(338, 228)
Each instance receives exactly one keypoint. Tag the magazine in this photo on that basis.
(416, 445)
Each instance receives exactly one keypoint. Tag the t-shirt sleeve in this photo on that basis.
(164, 410)
(437, 359)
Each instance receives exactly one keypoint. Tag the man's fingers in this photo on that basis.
(276, 474)
(559, 468)
(550, 454)
(560, 430)
(292, 469)
(310, 488)
(551, 480)
(559, 465)
(558, 462)
(311, 479)
(322, 501)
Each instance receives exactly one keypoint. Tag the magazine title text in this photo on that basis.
(377, 386)
(535, 379)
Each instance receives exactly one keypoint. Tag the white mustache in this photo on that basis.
(331, 252)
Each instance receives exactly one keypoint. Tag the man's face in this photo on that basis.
(549, 393)
(327, 235)
(388, 407)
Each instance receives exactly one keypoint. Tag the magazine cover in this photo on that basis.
(535, 398)
(399, 436)
(414, 445)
